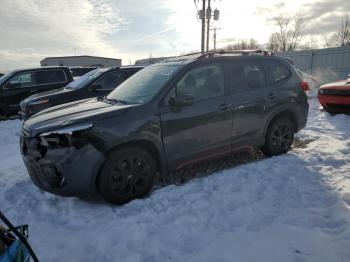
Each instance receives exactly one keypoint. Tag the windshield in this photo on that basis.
(86, 79)
(145, 84)
(4, 78)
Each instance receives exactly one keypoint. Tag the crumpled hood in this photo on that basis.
(70, 114)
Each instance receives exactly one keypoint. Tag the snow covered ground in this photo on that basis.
(294, 207)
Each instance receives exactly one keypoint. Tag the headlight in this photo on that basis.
(40, 102)
(321, 91)
(69, 129)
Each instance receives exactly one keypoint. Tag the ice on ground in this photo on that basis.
(294, 207)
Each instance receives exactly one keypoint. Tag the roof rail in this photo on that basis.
(237, 52)
(199, 55)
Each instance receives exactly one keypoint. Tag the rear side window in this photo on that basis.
(247, 76)
(22, 79)
(45, 77)
(277, 71)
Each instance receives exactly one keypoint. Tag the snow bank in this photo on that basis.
(294, 207)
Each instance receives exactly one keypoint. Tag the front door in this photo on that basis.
(202, 127)
(17, 88)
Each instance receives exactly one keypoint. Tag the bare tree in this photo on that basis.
(289, 33)
(309, 44)
(342, 36)
(274, 44)
(242, 44)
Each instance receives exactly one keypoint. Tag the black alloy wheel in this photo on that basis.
(279, 138)
(128, 174)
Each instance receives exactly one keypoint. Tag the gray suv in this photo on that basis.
(171, 114)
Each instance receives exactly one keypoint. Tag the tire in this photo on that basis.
(279, 137)
(127, 174)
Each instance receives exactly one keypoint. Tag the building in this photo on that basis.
(149, 61)
(83, 60)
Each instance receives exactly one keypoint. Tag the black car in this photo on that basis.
(78, 71)
(98, 82)
(168, 115)
(19, 84)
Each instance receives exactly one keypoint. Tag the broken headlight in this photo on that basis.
(65, 137)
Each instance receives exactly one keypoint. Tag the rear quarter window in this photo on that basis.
(45, 77)
(277, 71)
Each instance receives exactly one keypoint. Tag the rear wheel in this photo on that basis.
(127, 174)
(279, 137)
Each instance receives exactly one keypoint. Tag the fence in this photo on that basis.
(331, 61)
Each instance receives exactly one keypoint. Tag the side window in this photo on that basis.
(203, 82)
(110, 80)
(277, 71)
(247, 76)
(22, 79)
(45, 77)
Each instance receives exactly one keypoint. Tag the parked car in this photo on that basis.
(335, 97)
(98, 82)
(19, 84)
(78, 71)
(166, 116)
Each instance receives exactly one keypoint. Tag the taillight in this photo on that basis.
(305, 86)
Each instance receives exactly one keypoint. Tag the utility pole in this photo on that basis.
(214, 40)
(208, 15)
(203, 27)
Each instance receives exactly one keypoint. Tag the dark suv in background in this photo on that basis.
(19, 84)
(168, 115)
(98, 82)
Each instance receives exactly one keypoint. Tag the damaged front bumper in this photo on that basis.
(62, 164)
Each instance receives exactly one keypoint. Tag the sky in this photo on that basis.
(136, 29)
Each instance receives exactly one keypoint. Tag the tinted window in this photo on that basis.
(277, 71)
(203, 82)
(81, 71)
(247, 75)
(50, 77)
(111, 80)
(23, 79)
(86, 79)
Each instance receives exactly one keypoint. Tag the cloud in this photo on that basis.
(34, 29)
(134, 29)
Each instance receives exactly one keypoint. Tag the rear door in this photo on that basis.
(249, 98)
(49, 79)
(283, 86)
(202, 128)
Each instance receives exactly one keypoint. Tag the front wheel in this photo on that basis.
(279, 137)
(127, 174)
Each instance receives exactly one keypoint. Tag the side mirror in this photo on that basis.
(14, 85)
(181, 99)
(95, 87)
